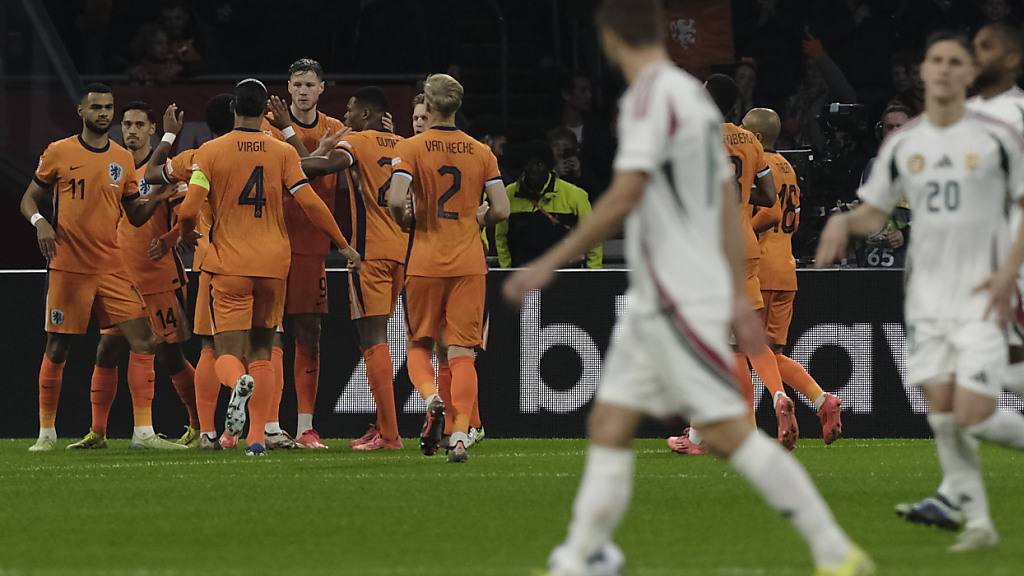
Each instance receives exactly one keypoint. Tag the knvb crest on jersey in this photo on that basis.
(116, 172)
(144, 188)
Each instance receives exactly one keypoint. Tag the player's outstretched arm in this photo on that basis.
(763, 193)
(173, 121)
(321, 217)
(139, 210)
(498, 204)
(280, 118)
(625, 192)
(864, 220)
(767, 217)
(398, 199)
(45, 235)
(1002, 285)
(334, 161)
(188, 212)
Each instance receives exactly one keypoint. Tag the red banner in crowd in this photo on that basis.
(699, 34)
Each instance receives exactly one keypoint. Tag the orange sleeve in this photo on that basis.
(317, 212)
(179, 168)
(761, 166)
(404, 162)
(198, 191)
(46, 172)
(491, 172)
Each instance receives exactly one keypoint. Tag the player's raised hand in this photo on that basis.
(355, 261)
(278, 114)
(1002, 291)
(329, 141)
(157, 249)
(481, 213)
(173, 119)
(388, 122)
(535, 276)
(47, 239)
(747, 326)
(833, 241)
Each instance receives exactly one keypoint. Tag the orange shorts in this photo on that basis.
(455, 304)
(244, 302)
(374, 288)
(752, 286)
(204, 313)
(167, 316)
(778, 313)
(71, 299)
(307, 285)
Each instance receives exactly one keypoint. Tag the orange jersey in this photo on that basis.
(449, 171)
(306, 238)
(179, 170)
(376, 235)
(148, 276)
(88, 185)
(778, 267)
(748, 161)
(245, 175)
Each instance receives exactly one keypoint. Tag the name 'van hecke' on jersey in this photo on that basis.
(449, 147)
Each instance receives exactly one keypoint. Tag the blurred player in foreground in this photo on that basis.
(673, 190)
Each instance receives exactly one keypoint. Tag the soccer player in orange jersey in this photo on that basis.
(445, 265)
(244, 175)
(91, 180)
(777, 270)
(162, 285)
(366, 154)
(306, 299)
(419, 114)
(178, 171)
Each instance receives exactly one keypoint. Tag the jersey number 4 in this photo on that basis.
(252, 192)
(456, 175)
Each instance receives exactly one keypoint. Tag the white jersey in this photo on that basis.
(669, 128)
(960, 181)
(1008, 107)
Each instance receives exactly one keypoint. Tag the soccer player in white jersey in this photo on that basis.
(672, 188)
(959, 170)
(999, 53)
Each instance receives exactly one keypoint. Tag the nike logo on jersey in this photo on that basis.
(945, 162)
(76, 167)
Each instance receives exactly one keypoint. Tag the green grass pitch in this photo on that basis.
(120, 512)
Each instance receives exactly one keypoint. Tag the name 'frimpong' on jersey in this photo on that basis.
(375, 234)
(449, 171)
(777, 270)
(248, 172)
(959, 180)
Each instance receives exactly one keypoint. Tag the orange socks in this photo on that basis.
(307, 376)
(229, 369)
(380, 373)
(798, 378)
(768, 369)
(421, 371)
(185, 385)
(262, 396)
(277, 363)
(746, 382)
(474, 418)
(207, 390)
(101, 396)
(444, 390)
(140, 383)
(464, 387)
(51, 376)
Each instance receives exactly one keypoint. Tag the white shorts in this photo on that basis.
(974, 353)
(668, 365)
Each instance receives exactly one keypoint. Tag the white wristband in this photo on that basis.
(288, 132)
(36, 218)
(169, 137)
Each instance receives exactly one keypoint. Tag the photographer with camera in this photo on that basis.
(887, 248)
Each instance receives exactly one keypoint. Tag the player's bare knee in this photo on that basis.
(725, 437)
(57, 347)
(109, 351)
(457, 351)
(612, 426)
(372, 331)
(171, 357)
(970, 408)
(307, 330)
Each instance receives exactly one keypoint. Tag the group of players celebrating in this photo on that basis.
(254, 203)
(703, 261)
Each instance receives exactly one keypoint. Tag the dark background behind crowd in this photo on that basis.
(533, 71)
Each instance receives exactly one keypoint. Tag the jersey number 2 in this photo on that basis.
(456, 175)
(382, 192)
(252, 192)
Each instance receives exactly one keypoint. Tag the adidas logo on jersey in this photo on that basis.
(945, 162)
(980, 377)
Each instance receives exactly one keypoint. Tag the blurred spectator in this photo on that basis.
(887, 248)
(544, 209)
(568, 165)
(746, 80)
(823, 83)
(490, 130)
(157, 65)
(906, 81)
(592, 131)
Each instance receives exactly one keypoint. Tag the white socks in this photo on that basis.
(273, 428)
(47, 433)
(305, 423)
(695, 436)
(1002, 427)
(1013, 378)
(820, 400)
(602, 499)
(143, 431)
(961, 468)
(787, 488)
